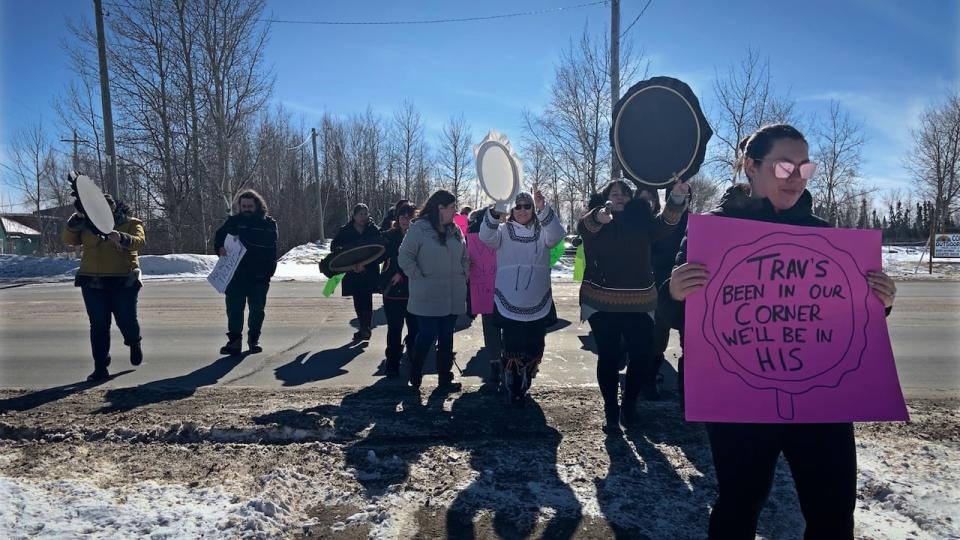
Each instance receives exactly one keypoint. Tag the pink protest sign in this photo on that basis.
(461, 221)
(787, 329)
(483, 275)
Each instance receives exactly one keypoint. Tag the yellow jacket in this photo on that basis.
(103, 258)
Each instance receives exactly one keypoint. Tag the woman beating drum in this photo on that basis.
(618, 295)
(522, 294)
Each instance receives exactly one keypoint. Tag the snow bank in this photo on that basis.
(75, 508)
(300, 264)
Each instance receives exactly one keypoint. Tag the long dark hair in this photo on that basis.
(431, 211)
(262, 209)
(758, 144)
(624, 187)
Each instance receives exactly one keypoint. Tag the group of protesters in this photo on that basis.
(635, 282)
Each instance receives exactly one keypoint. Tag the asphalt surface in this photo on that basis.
(307, 341)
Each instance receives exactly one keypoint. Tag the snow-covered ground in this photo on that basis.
(367, 463)
(300, 264)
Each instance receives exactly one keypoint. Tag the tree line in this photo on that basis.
(191, 94)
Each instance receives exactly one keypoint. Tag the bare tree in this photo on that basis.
(704, 193)
(407, 145)
(837, 188)
(234, 80)
(33, 170)
(574, 127)
(745, 103)
(454, 151)
(935, 158)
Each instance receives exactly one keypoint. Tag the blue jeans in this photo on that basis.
(432, 330)
(102, 306)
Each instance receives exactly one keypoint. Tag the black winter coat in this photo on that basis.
(365, 282)
(392, 239)
(259, 235)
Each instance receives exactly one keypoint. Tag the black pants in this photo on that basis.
(396, 311)
(492, 337)
(251, 293)
(102, 306)
(637, 330)
(822, 459)
(363, 307)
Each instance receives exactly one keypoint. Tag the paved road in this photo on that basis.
(44, 342)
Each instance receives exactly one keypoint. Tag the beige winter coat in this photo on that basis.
(437, 272)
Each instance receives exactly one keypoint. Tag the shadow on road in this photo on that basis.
(172, 389)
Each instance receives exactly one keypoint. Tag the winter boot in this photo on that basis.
(611, 418)
(253, 345)
(447, 384)
(366, 325)
(233, 346)
(136, 354)
(392, 368)
(100, 372)
(99, 375)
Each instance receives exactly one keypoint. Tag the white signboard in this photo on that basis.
(223, 272)
(946, 245)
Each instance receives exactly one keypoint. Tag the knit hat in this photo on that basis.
(523, 197)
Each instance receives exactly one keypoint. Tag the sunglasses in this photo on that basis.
(782, 169)
(523, 207)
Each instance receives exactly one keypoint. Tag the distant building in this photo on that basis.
(17, 238)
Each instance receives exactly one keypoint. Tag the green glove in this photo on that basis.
(332, 284)
(556, 253)
(579, 264)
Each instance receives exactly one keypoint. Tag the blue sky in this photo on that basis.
(885, 61)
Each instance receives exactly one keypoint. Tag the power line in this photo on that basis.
(440, 21)
(642, 11)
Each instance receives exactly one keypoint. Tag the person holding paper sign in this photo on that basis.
(257, 231)
(618, 295)
(394, 285)
(361, 281)
(434, 256)
(109, 280)
(522, 294)
(822, 457)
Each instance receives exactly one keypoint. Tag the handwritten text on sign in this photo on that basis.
(787, 328)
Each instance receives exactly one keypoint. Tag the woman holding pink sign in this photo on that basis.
(523, 296)
(822, 457)
(618, 295)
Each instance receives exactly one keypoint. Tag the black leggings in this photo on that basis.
(822, 459)
(637, 330)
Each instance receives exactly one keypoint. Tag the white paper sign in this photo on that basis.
(223, 272)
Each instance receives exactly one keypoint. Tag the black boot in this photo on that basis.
(392, 368)
(365, 319)
(628, 412)
(100, 372)
(233, 347)
(136, 354)
(611, 418)
(253, 345)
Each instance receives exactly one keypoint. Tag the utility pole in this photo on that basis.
(111, 179)
(614, 74)
(316, 176)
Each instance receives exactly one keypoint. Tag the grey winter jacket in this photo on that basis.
(437, 272)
